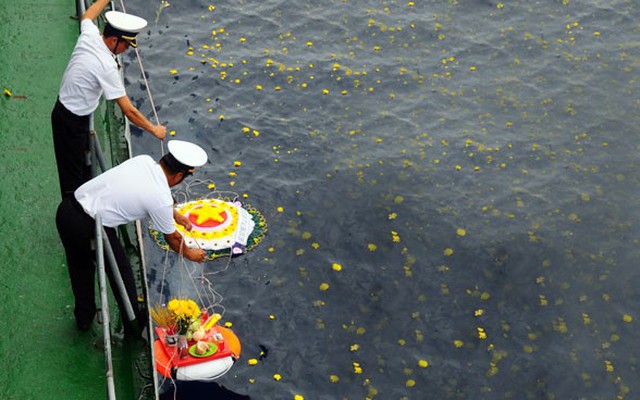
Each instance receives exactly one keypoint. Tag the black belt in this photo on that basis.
(78, 206)
(68, 114)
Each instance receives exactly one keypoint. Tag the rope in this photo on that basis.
(146, 84)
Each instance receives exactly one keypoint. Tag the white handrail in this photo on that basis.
(111, 389)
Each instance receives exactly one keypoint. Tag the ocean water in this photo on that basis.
(470, 165)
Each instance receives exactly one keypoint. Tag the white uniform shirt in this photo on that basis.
(91, 71)
(132, 190)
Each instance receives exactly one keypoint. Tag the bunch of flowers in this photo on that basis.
(178, 315)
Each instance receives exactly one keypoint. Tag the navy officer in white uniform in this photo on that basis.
(135, 189)
(92, 72)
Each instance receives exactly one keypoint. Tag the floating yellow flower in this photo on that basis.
(461, 232)
(172, 133)
(298, 397)
(258, 87)
(252, 361)
(336, 267)
(627, 318)
(173, 71)
(280, 209)
(334, 379)
(277, 377)
(458, 343)
(212, 186)
(608, 366)
(481, 333)
(237, 163)
(8, 93)
(354, 347)
(410, 383)
(324, 286)
(372, 247)
(357, 368)
(448, 251)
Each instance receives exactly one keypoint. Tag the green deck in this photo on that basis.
(43, 356)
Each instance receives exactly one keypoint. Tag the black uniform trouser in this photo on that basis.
(77, 230)
(71, 144)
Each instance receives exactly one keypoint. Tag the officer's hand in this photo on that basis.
(159, 131)
(183, 220)
(197, 255)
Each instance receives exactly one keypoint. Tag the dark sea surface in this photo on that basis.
(471, 165)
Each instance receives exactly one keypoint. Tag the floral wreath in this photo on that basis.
(255, 238)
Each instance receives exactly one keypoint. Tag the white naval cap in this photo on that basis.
(126, 26)
(187, 153)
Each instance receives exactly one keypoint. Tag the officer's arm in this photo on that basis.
(135, 116)
(95, 9)
(176, 243)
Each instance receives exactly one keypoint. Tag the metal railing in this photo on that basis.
(111, 388)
